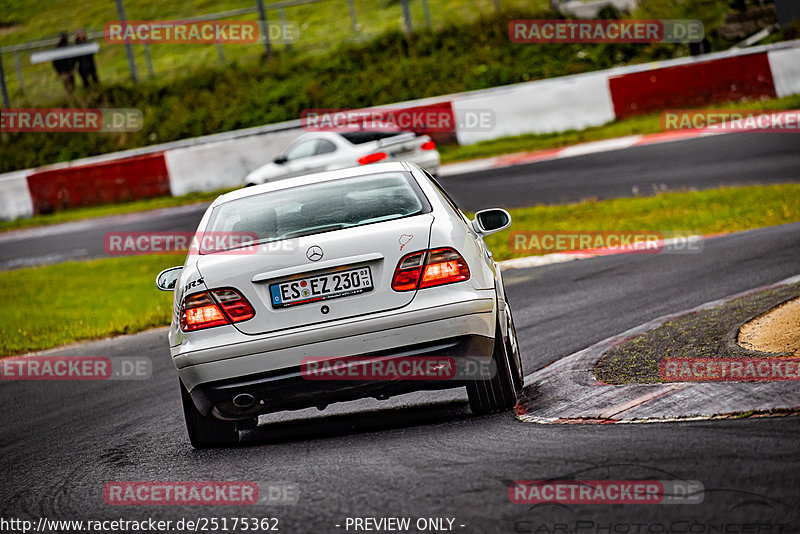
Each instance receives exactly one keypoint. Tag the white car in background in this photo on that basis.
(326, 151)
(367, 262)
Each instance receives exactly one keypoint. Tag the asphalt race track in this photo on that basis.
(742, 158)
(424, 455)
(701, 163)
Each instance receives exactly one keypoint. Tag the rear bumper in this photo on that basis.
(289, 389)
(398, 330)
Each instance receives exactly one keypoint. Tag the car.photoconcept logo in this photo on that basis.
(314, 253)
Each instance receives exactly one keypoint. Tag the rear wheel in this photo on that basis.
(206, 431)
(500, 392)
(512, 348)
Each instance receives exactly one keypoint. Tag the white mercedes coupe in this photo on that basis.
(372, 262)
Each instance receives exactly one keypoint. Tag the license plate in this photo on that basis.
(321, 287)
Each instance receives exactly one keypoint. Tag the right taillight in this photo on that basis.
(372, 158)
(444, 266)
(200, 310)
(430, 268)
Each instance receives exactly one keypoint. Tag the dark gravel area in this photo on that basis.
(708, 333)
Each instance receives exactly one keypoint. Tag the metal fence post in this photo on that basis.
(6, 101)
(427, 12)
(406, 15)
(351, 8)
(128, 46)
(282, 15)
(18, 67)
(262, 18)
(148, 60)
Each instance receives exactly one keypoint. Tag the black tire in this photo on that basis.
(206, 431)
(512, 348)
(496, 394)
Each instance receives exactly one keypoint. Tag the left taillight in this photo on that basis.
(428, 145)
(227, 306)
(430, 268)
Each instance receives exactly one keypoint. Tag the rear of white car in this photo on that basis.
(373, 261)
(325, 151)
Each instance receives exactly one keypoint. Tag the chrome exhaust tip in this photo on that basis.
(244, 400)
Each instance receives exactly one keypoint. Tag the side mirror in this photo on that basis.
(490, 221)
(280, 160)
(166, 279)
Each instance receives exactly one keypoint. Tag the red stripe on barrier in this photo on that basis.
(443, 110)
(101, 183)
(699, 84)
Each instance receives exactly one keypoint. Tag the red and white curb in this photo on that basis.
(594, 147)
(567, 392)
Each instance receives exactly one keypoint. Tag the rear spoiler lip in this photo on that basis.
(403, 138)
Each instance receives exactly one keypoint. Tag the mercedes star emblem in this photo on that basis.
(314, 253)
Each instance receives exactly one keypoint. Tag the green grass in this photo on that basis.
(645, 124)
(89, 212)
(322, 26)
(73, 301)
(706, 212)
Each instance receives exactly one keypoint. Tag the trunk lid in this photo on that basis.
(378, 246)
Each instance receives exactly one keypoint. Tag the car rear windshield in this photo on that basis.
(358, 138)
(321, 207)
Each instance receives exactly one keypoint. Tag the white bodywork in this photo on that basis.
(381, 319)
(327, 151)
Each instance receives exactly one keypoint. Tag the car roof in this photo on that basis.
(362, 170)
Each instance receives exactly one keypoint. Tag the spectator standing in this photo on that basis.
(65, 67)
(86, 66)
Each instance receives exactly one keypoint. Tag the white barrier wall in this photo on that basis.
(15, 198)
(225, 164)
(785, 65)
(543, 106)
